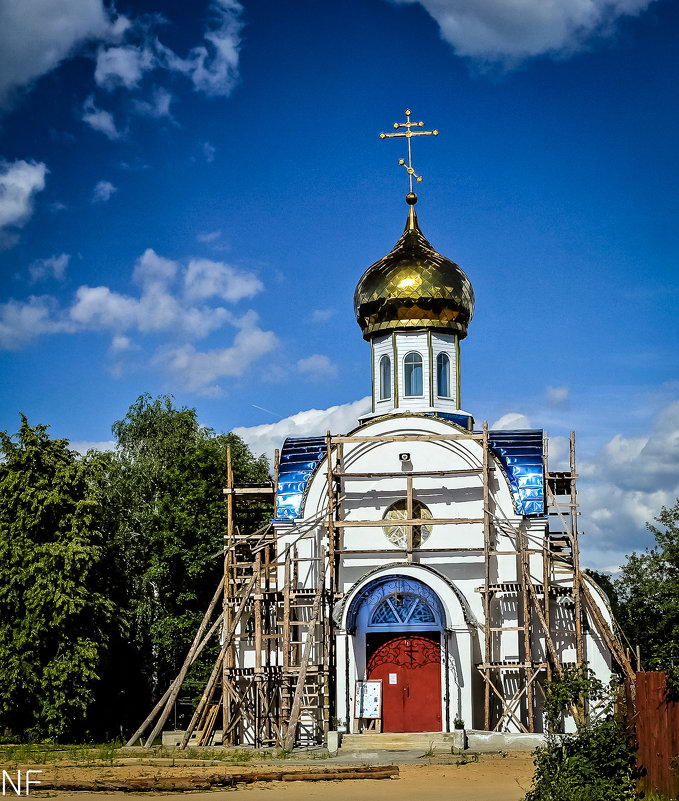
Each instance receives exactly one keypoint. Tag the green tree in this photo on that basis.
(648, 590)
(168, 515)
(54, 618)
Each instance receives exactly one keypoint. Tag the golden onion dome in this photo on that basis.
(413, 286)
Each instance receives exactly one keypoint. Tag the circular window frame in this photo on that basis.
(398, 534)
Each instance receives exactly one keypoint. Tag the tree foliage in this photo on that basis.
(167, 518)
(114, 558)
(54, 617)
(596, 762)
(648, 591)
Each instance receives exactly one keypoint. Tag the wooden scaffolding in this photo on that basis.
(272, 683)
(554, 609)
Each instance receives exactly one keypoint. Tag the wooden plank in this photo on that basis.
(249, 491)
(605, 631)
(575, 554)
(289, 739)
(408, 438)
(331, 508)
(492, 687)
(258, 612)
(417, 521)
(486, 596)
(175, 687)
(527, 629)
(229, 577)
(286, 613)
(471, 471)
(548, 637)
(546, 564)
(359, 551)
(218, 664)
(409, 516)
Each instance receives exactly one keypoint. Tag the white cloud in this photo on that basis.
(322, 315)
(152, 270)
(213, 67)
(21, 323)
(120, 344)
(53, 267)
(624, 486)
(311, 423)
(199, 370)
(158, 107)
(172, 300)
(103, 191)
(156, 309)
(82, 446)
(317, 367)
(511, 421)
(209, 152)
(36, 36)
(209, 236)
(20, 181)
(122, 66)
(511, 30)
(557, 396)
(100, 120)
(206, 279)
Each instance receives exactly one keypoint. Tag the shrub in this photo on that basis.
(596, 762)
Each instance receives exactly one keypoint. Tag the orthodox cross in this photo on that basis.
(408, 133)
(410, 651)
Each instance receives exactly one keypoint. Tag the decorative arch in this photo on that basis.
(448, 604)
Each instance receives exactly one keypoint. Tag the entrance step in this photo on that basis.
(435, 741)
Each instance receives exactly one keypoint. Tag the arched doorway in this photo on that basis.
(401, 620)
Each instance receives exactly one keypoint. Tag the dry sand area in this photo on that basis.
(493, 778)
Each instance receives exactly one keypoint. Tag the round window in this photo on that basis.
(398, 534)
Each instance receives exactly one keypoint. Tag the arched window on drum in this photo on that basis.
(443, 375)
(385, 378)
(412, 374)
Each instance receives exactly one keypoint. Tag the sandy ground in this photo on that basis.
(492, 778)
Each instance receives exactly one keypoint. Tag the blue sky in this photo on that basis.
(189, 194)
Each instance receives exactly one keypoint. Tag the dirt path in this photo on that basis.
(492, 778)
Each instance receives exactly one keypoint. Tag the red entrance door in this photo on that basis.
(410, 668)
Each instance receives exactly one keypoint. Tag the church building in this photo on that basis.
(421, 571)
(452, 549)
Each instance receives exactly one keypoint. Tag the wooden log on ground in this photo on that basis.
(207, 782)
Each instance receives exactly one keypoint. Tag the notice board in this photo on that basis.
(368, 699)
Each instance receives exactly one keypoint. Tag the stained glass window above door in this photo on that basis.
(402, 608)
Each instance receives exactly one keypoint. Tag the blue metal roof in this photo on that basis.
(463, 420)
(300, 456)
(521, 455)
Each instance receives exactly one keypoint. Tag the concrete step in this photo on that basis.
(435, 741)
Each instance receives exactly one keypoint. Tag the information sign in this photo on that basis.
(368, 699)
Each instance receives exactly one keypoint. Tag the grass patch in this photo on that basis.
(19, 755)
(46, 753)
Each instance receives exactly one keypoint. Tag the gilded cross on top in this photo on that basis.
(409, 133)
